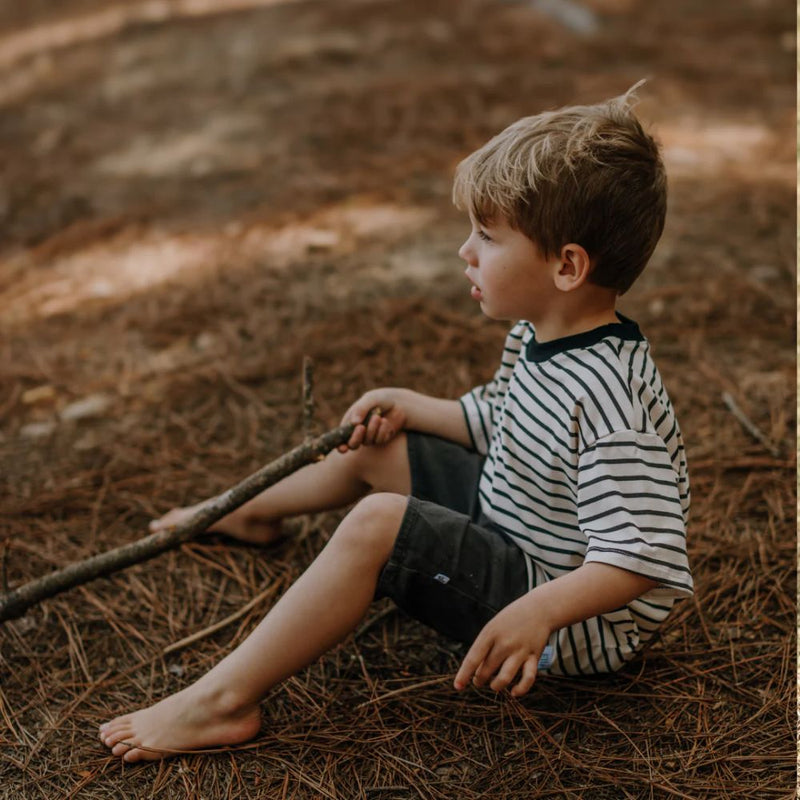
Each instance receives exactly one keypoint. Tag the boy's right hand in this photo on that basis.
(383, 426)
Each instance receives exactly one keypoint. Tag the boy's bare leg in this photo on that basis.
(318, 611)
(341, 479)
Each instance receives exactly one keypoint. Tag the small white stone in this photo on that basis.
(572, 15)
(37, 430)
(92, 406)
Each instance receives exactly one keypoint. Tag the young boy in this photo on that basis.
(545, 509)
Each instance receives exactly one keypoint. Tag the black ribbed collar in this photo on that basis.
(625, 329)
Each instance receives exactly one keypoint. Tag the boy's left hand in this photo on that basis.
(510, 642)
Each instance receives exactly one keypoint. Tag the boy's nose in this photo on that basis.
(464, 251)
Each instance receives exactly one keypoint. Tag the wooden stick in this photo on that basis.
(308, 398)
(750, 426)
(15, 603)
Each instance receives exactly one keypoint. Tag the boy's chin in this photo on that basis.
(498, 316)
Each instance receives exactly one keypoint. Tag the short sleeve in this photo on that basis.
(480, 405)
(629, 508)
(478, 413)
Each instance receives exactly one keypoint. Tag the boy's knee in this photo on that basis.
(373, 523)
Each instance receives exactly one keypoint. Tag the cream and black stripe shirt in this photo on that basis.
(585, 462)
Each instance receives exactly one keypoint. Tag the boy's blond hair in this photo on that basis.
(588, 175)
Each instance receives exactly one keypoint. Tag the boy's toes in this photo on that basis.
(115, 731)
(121, 749)
(110, 739)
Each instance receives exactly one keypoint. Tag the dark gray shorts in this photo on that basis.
(450, 568)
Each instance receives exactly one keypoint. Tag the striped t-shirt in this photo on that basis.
(585, 462)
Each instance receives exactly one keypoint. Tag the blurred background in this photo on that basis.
(196, 194)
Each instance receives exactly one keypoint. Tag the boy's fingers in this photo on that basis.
(355, 414)
(357, 439)
(491, 663)
(469, 665)
(351, 416)
(372, 429)
(479, 664)
(506, 674)
(386, 434)
(529, 670)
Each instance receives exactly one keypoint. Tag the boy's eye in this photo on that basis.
(483, 235)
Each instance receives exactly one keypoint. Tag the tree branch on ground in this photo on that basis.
(16, 602)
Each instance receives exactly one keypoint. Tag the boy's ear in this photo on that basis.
(573, 268)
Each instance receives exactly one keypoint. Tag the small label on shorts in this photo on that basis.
(546, 659)
(442, 578)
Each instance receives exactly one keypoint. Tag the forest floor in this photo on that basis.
(194, 195)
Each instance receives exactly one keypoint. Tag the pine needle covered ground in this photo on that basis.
(192, 202)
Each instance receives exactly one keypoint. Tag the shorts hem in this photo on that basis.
(398, 554)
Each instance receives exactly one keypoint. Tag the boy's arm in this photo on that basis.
(467, 421)
(404, 409)
(512, 642)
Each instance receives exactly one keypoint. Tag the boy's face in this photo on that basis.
(510, 277)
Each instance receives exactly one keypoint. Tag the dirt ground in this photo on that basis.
(194, 195)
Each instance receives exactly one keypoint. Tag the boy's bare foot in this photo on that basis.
(238, 524)
(188, 720)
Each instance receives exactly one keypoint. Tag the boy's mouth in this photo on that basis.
(476, 293)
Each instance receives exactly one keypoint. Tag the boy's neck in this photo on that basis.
(566, 321)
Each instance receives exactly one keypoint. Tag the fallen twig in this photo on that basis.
(15, 603)
(749, 425)
(194, 637)
(405, 689)
(308, 398)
